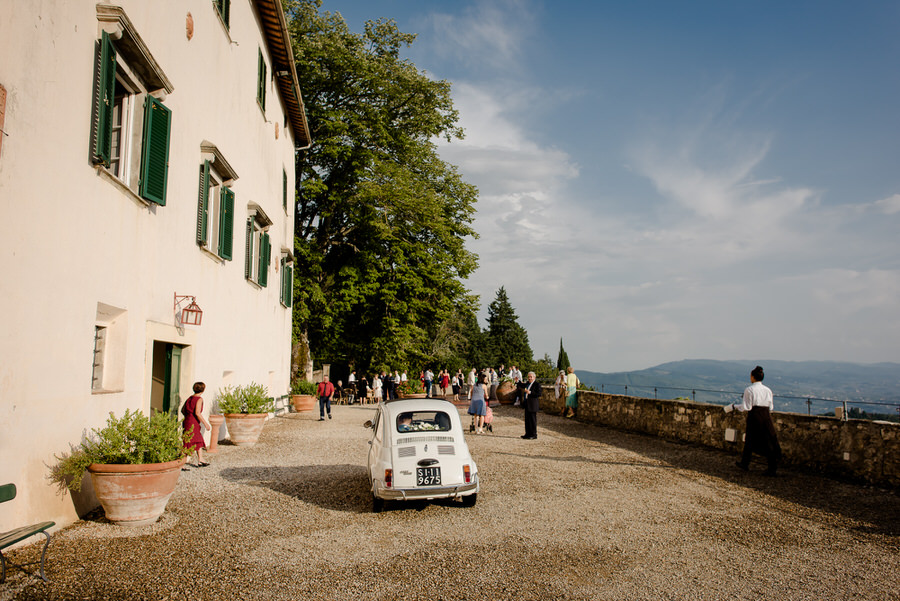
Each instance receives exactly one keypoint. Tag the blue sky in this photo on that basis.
(672, 180)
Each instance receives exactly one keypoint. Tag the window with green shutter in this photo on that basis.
(155, 151)
(284, 188)
(104, 99)
(130, 128)
(259, 250)
(261, 82)
(226, 224)
(223, 7)
(203, 206)
(287, 282)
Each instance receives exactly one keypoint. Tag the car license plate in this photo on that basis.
(428, 476)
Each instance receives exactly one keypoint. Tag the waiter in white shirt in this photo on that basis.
(760, 434)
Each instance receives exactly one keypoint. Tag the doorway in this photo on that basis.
(165, 390)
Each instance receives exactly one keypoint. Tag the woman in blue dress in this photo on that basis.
(478, 404)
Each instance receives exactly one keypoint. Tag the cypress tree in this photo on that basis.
(562, 361)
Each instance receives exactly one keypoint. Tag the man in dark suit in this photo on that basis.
(532, 394)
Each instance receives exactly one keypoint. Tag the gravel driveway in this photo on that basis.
(583, 512)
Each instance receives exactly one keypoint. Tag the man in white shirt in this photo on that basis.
(760, 433)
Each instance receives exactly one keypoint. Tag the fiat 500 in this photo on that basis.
(418, 452)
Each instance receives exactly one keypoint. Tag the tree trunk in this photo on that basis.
(301, 358)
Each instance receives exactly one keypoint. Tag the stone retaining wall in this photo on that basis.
(861, 450)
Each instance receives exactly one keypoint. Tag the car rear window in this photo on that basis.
(423, 421)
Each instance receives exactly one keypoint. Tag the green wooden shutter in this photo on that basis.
(248, 262)
(284, 188)
(224, 8)
(265, 255)
(226, 224)
(203, 205)
(261, 82)
(287, 283)
(155, 151)
(104, 98)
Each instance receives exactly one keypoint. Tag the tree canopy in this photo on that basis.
(381, 220)
(507, 339)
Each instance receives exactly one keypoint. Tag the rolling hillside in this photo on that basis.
(702, 379)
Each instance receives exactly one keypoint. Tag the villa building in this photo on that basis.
(146, 186)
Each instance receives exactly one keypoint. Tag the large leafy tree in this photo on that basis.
(508, 340)
(381, 220)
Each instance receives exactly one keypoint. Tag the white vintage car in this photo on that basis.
(418, 452)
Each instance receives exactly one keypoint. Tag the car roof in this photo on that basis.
(400, 405)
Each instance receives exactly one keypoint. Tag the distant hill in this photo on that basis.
(702, 379)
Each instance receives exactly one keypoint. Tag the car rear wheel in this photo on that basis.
(377, 504)
(469, 500)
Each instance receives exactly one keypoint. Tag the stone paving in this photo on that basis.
(582, 512)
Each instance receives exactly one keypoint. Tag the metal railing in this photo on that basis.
(724, 396)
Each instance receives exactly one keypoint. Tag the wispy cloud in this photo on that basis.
(489, 34)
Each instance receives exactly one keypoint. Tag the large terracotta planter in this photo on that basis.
(506, 393)
(215, 421)
(135, 494)
(304, 402)
(244, 428)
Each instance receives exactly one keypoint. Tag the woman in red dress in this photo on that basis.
(193, 417)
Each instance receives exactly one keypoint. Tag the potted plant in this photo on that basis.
(245, 409)
(410, 389)
(134, 464)
(303, 395)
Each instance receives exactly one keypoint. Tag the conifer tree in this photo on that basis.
(508, 340)
(562, 360)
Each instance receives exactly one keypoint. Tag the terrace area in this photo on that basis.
(583, 512)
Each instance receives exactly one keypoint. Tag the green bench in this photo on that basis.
(8, 493)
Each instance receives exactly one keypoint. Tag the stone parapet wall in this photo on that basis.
(861, 450)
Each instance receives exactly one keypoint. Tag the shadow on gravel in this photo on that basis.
(341, 487)
(865, 509)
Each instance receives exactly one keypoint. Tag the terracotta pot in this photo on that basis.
(244, 428)
(506, 393)
(304, 402)
(215, 421)
(413, 395)
(135, 494)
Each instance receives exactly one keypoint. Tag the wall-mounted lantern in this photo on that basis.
(190, 315)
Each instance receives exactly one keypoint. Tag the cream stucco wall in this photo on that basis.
(74, 242)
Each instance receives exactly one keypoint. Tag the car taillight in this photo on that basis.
(467, 475)
(388, 478)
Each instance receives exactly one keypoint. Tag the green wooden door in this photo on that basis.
(171, 387)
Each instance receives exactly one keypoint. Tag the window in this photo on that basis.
(130, 125)
(99, 351)
(223, 8)
(110, 343)
(215, 204)
(423, 421)
(287, 281)
(261, 82)
(258, 246)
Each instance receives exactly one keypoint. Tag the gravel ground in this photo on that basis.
(581, 513)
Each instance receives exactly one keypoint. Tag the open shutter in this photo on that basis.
(155, 151)
(203, 205)
(284, 188)
(224, 8)
(248, 263)
(104, 98)
(226, 224)
(265, 255)
(261, 81)
(287, 282)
